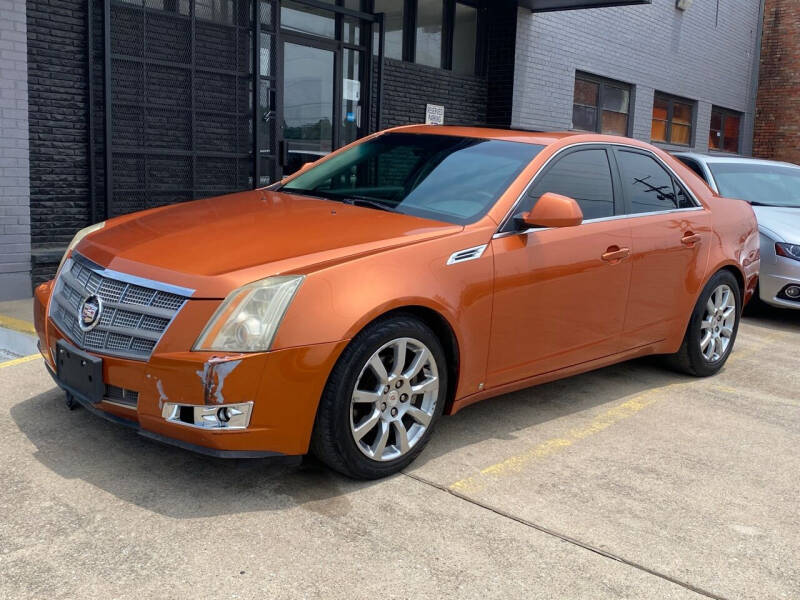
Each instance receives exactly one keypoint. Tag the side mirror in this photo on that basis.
(552, 210)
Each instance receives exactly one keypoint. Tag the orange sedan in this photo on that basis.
(419, 270)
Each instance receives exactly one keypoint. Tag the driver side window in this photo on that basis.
(585, 176)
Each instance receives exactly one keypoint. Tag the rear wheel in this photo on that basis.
(712, 328)
(382, 399)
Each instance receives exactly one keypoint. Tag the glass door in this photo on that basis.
(309, 76)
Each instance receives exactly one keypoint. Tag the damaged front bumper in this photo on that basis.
(234, 406)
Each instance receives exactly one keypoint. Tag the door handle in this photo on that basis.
(689, 239)
(615, 254)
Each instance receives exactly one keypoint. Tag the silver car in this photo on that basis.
(773, 188)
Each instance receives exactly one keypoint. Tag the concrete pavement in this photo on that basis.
(629, 482)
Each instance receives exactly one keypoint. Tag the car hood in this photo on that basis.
(780, 223)
(215, 245)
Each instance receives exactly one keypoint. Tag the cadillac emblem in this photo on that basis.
(89, 312)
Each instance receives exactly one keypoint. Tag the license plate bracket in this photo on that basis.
(80, 371)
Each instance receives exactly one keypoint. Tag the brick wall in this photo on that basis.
(15, 248)
(58, 104)
(408, 87)
(777, 132)
(702, 54)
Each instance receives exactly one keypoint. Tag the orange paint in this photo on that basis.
(534, 307)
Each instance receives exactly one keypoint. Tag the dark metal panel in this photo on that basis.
(548, 5)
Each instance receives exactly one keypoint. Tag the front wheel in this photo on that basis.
(382, 399)
(712, 327)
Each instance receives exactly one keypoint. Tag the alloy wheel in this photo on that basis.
(394, 399)
(719, 319)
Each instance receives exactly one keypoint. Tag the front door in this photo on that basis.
(561, 293)
(309, 73)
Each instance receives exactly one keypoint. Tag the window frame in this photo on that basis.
(409, 50)
(506, 223)
(602, 82)
(724, 114)
(671, 99)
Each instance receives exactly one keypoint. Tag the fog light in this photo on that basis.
(229, 416)
(793, 291)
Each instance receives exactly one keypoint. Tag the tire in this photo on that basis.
(696, 356)
(360, 408)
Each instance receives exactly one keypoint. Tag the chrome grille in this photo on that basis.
(133, 318)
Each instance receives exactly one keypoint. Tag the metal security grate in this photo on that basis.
(133, 318)
(180, 101)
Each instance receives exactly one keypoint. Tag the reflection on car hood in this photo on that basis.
(217, 244)
(779, 221)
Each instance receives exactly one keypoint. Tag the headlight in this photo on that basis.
(77, 240)
(249, 317)
(788, 250)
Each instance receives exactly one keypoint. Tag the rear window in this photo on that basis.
(447, 178)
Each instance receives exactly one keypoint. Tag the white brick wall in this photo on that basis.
(698, 54)
(15, 222)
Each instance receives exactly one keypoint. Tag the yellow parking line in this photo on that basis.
(19, 361)
(16, 324)
(599, 423)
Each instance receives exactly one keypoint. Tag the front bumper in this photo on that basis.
(777, 272)
(283, 385)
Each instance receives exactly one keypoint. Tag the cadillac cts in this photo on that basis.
(408, 275)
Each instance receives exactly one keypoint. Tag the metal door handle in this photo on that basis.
(690, 239)
(615, 253)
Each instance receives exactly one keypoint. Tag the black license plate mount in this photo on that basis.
(80, 371)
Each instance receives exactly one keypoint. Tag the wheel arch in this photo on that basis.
(443, 330)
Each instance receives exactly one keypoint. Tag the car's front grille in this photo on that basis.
(132, 319)
(121, 396)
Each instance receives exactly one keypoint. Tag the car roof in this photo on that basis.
(543, 138)
(712, 158)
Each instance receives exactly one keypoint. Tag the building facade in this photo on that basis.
(132, 104)
(777, 134)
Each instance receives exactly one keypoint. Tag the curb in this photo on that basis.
(19, 325)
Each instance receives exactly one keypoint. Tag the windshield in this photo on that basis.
(767, 185)
(442, 177)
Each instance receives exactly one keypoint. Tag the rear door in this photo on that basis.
(560, 293)
(670, 237)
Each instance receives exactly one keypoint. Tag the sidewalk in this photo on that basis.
(17, 335)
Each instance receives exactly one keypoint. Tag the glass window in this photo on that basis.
(307, 19)
(600, 105)
(649, 187)
(429, 32)
(465, 38)
(693, 166)
(393, 24)
(442, 177)
(770, 185)
(585, 176)
(672, 120)
(724, 131)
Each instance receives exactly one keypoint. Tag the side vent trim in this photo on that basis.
(467, 254)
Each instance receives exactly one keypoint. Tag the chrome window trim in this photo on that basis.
(135, 280)
(502, 234)
(509, 215)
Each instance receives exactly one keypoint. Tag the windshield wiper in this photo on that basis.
(353, 200)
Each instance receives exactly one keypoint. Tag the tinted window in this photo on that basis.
(583, 175)
(648, 185)
(694, 167)
(449, 178)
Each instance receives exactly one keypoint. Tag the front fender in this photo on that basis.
(335, 303)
